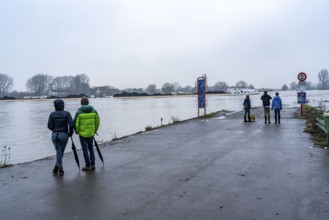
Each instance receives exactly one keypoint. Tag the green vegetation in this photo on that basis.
(211, 115)
(310, 115)
(6, 165)
(148, 128)
(174, 119)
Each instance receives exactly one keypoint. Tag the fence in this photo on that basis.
(323, 124)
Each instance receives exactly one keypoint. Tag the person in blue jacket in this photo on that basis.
(277, 107)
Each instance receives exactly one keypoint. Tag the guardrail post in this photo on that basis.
(326, 124)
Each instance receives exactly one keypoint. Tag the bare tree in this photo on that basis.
(167, 88)
(241, 84)
(80, 84)
(175, 85)
(61, 84)
(187, 89)
(251, 86)
(284, 87)
(39, 84)
(308, 85)
(293, 86)
(6, 84)
(323, 77)
(151, 89)
(220, 86)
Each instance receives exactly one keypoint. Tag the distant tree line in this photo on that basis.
(62, 86)
(46, 85)
(169, 88)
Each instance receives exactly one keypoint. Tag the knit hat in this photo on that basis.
(84, 101)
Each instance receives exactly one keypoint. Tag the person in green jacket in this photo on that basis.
(86, 124)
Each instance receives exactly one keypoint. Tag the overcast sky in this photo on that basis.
(134, 43)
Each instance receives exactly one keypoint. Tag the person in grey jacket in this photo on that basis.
(61, 124)
(277, 107)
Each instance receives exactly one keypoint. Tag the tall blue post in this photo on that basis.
(201, 82)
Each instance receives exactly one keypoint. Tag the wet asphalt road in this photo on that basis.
(213, 169)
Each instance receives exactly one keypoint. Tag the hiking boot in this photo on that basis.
(55, 170)
(60, 171)
(93, 167)
(87, 168)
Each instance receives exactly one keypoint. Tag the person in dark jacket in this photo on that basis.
(266, 104)
(61, 124)
(86, 124)
(247, 107)
(277, 107)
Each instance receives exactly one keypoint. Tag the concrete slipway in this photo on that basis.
(221, 168)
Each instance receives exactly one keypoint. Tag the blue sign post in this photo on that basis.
(301, 97)
(201, 82)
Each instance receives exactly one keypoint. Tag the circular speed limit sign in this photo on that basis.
(301, 76)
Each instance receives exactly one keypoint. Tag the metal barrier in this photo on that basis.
(323, 124)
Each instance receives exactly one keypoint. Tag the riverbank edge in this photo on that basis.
(150, 128)
(117, 140)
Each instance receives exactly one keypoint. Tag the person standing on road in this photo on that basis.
(266, 104)
(86, 124)
(277, 107)
(247, 107)
(61, 124)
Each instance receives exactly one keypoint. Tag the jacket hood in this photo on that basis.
(86, 108)
(276, 97)
(59, 104)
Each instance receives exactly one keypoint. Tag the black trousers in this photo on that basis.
(277, 115)
(246, 112)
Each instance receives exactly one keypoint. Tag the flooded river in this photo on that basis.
(24, 123)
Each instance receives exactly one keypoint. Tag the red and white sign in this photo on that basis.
(302, 76)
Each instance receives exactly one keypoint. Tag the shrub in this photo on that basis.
(310, 115)
(148, 128)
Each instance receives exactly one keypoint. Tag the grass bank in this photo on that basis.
(310, 115)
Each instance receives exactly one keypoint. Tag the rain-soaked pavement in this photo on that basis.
(221, 168)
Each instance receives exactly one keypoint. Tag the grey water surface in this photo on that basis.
(24, 122)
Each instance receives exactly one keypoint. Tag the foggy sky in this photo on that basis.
(133, 43)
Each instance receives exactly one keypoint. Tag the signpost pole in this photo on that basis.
(301, 95)
(205, 106)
